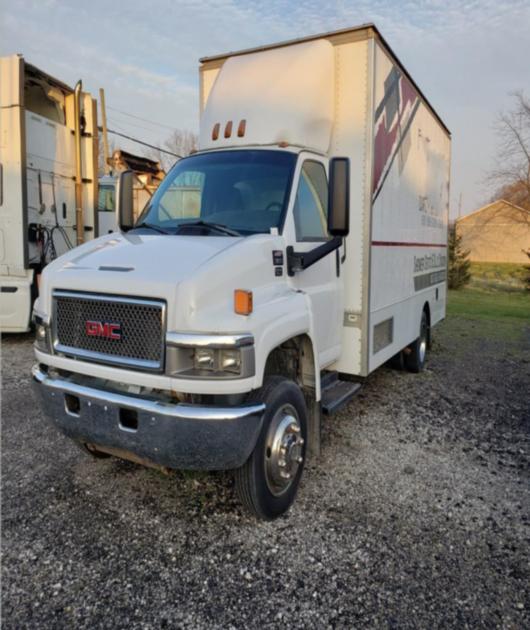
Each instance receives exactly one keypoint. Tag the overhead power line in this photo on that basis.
(146, 144)
(119, 123)
(151, 122)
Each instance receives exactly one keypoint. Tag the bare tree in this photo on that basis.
(511, 176)
(181, 142)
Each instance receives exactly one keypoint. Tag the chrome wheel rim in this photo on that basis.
(423, 343)
(284, 453)
(423, 350)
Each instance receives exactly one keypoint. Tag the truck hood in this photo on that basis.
(195, 275)
(133, 264)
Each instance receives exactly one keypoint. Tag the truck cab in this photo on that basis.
(225, 312)
(213, 331)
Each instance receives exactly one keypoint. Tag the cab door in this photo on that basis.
(306, 229)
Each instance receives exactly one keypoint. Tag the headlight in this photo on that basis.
(217, 360)
(230, 361)
(215, 356)
(204, 359)
(42, 334)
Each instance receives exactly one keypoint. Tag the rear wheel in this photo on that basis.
(415, 359)
(267, 483)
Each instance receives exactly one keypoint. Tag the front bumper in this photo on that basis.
(175, 435)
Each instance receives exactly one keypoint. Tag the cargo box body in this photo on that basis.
(399, 151)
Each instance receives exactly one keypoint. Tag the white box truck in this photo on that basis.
(48, 180)
(299, 249)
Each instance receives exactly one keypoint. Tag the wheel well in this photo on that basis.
(427, 311)
(293, 359)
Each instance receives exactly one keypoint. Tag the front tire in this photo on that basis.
(415, 359)
(267, 483)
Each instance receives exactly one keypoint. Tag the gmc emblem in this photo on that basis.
(103, 329)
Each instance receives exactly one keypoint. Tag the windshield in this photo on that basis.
(244, 191)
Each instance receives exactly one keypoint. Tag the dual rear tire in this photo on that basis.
(414, 356)
(415, 359)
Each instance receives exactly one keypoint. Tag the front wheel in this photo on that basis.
(415, 359)
(267, 483)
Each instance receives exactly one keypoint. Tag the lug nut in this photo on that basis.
(300, 459)
(282, 463)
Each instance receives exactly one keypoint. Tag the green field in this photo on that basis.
(498, 276)
(494, 306)
(484, 304)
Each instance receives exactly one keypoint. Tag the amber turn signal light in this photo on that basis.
(242, 302)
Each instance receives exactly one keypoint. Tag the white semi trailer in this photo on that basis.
(302, 247)
(147, 177)
(48, 180)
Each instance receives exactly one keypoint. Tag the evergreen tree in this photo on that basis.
(459, 264)
(527, 268)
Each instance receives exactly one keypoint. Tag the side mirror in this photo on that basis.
(339, 197)
(124, 201)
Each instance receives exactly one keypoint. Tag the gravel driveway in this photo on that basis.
(416, 515)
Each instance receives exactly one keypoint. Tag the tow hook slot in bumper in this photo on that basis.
(174, 435)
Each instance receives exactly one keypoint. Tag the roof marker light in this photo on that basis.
(215, 131)
(241, 128)
(228, 129)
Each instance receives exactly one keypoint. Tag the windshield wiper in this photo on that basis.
(152, 226)
(223, 229)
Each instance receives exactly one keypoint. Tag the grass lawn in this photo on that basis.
(496, 292)
(494, 306)
(482, 304)
(501, 317)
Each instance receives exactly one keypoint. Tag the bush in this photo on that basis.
(459, 264)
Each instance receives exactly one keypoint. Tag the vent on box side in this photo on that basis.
(383, 334)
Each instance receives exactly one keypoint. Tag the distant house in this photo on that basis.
(498, 232)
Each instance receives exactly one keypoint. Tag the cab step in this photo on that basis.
(336, 393)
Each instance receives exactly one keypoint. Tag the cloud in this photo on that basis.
(466, 55)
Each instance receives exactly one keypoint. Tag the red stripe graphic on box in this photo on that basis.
(406, 244)
(393, 117)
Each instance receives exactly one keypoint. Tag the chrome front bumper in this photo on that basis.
(175, 435)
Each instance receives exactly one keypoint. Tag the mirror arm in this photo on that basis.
(298, 261)
(124, 199)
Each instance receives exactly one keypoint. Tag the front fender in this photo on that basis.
(279, 321)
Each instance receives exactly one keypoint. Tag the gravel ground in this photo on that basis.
(416, 515)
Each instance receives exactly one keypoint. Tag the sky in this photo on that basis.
(467, 57)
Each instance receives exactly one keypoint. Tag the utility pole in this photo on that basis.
(104, 131)
(79, 217)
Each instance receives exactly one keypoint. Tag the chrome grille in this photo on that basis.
(141, 323)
